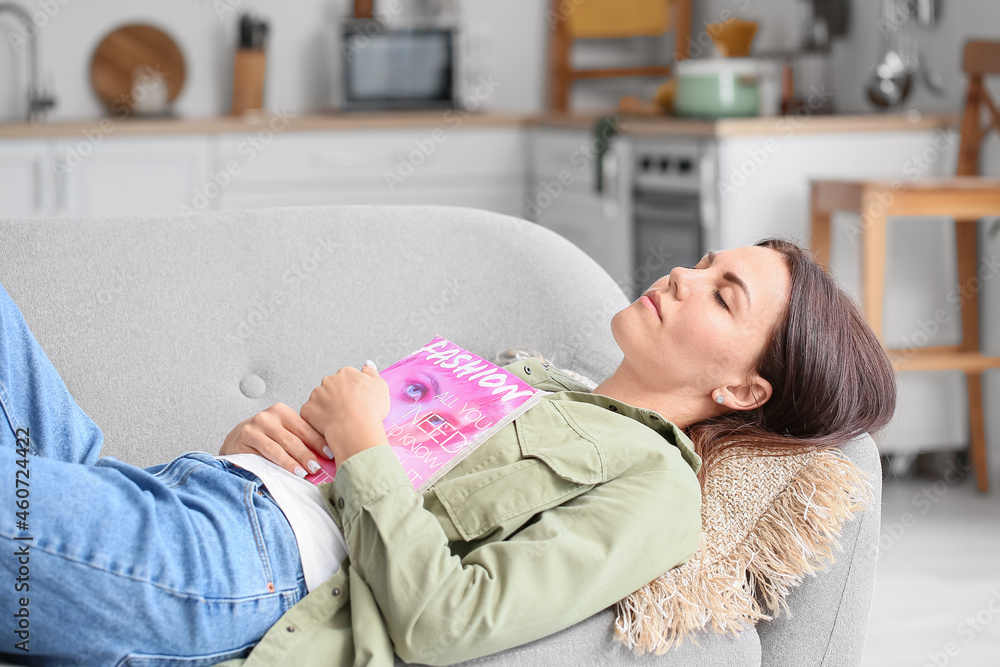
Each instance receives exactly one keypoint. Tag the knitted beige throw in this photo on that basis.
(766, 522)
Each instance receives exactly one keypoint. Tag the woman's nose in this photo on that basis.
(679, 277)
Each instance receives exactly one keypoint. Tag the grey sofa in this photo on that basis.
(169, 330)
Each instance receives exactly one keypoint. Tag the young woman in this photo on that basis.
(583, 499)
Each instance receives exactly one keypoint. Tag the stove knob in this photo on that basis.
(685, 165)
(646, 163)
(664, 164)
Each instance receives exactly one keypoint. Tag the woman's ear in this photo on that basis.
(755, 392)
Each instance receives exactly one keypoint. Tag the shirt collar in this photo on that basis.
(547, 377)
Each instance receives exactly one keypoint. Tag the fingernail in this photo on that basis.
(313, 466)
(369, 362)
(328, 452)
(300, 471)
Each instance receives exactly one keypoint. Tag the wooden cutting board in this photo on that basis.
(126, 49)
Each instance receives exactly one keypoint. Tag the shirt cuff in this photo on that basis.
(367, 476)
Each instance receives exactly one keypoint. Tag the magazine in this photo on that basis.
(444, 401)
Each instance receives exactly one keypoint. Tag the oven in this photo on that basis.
(671, 220)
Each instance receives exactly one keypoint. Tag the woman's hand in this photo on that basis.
(348, 408)
(280, 435)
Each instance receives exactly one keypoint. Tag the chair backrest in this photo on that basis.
(980, 58)
(604, 19)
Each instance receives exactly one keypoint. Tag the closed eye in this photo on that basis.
(722, 302)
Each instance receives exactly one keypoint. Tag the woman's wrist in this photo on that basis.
(347, 439)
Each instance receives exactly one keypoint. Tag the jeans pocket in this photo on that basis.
(205, 660)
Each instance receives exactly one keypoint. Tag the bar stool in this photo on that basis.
(966, 198)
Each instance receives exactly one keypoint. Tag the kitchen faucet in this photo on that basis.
(38, 99)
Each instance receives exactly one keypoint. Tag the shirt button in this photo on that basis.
(340, 503)
(290, 628)
(335, 592)
(527, 370)
(613, 408)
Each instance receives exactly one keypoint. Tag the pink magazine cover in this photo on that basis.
(444, 401)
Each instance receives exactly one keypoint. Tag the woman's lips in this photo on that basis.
(649, 303)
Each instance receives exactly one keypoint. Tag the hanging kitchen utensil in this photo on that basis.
(892, 76)
(926, 12)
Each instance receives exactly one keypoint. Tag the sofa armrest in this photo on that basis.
(829, 612)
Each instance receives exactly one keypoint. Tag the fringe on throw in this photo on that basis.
(729, 589)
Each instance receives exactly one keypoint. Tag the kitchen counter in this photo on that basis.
(313, 121)
(636, 124)
(631, 124)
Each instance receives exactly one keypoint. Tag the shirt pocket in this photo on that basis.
(555, 462)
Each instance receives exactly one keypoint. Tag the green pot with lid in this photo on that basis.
(724, 87)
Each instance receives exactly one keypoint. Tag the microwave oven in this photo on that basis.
(397, 68)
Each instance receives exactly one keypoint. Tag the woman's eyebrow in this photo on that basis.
(733, 278)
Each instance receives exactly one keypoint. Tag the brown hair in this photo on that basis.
(831, 377)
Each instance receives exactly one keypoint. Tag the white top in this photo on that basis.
(321, 544)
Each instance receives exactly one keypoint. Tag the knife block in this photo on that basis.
(248, 80)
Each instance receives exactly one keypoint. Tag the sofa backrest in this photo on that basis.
(170, 330)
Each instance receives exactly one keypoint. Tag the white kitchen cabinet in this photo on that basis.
(23, 188)
(99, 175)
(121, 176)
(561, 196)
(479, 167)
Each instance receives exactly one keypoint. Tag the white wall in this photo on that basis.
(512, 35)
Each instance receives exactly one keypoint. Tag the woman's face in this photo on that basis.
(704, 328)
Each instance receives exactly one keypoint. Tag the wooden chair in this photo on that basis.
(965, 198)
(582, 19)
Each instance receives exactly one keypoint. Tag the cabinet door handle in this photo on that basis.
(61, 193)
(39, 174)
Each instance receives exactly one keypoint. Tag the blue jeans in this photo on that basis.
(102, 563)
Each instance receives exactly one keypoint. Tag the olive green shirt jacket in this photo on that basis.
(571, 507)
